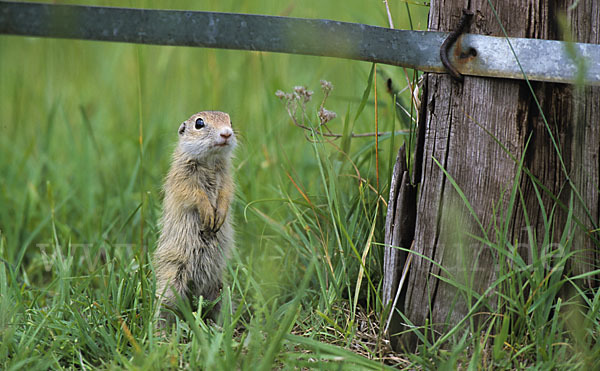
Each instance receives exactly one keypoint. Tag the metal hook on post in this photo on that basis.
(463, 25)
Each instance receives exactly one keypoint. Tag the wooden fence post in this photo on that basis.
(464, 129)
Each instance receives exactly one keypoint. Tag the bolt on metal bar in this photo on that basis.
(475, 55)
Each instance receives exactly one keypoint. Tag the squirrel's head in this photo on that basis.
(206, 135)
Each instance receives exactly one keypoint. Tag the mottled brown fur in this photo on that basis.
(196, 232)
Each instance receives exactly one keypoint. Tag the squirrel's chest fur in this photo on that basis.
(183, 235)
(209, 181)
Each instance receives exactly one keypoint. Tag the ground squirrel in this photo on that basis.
(196, 232)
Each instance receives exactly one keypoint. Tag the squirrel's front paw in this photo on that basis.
(220, 215)
(207, 218)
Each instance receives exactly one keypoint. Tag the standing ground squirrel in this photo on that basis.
(196, 233)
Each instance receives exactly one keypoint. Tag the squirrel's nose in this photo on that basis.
(226, 133)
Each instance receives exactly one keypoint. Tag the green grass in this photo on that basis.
(87, 133)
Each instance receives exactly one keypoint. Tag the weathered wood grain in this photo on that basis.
(399, 233)
(392, 264)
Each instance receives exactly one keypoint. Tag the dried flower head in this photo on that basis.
(326, 86)
(302, 93)
(325, 115)
(284, 96)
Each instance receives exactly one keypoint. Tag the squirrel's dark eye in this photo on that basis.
(199, 124)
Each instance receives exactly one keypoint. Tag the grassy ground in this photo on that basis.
(87, 133)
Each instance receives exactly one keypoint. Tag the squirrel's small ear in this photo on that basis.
(182, 129)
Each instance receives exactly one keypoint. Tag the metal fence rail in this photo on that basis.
(541, 60)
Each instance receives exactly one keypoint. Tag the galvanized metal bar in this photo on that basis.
(541, 60)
